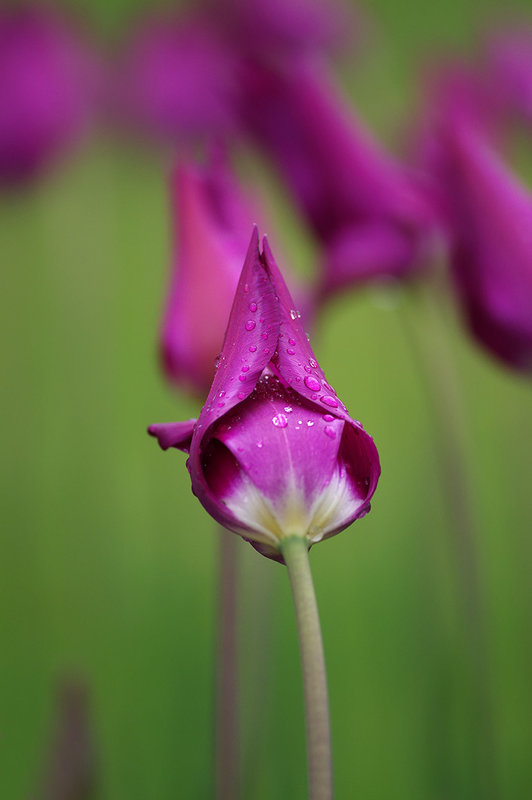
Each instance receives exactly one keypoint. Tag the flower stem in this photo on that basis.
(295, 553)
(227, 728)
(428, 337)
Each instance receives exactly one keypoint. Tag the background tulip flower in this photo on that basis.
(274, 452)
(509, 70)
(489, 218)
(176, 79)
(287, 27)
(354, 196)
(47, 82)
(211, 220)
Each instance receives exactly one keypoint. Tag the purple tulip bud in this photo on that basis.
(287, 27)
(47, 82)
(489, 220)
(274, 452)
(212, 220)
(177, 79)
(345, 185)
(510, 71)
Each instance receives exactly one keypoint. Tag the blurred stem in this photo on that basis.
(428, 337)
(295, 553)
(227, 749)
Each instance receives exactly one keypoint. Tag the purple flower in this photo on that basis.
(353, 194)
(284, 27)
(47, 82)
(489, 222)
(212, 219)
(177, 79)
(274, 452)
(510, 71)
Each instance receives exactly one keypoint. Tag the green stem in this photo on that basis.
(227, 728)
(295, 553)
(428, 337)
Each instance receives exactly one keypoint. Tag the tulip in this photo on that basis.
(276, 458)
(274, 453)
(489, 220)
(47, 82)
(353, 195)
(510, 71)
(287, 27)
(177, 79)
(212, 220)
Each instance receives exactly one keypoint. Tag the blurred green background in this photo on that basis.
(107, 567)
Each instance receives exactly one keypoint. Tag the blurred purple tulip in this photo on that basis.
(274, 452)
(177, 79)
(272, 28)
(212, 219)
(47, 87)
(489, 227)
(510, 71)
(370, 213)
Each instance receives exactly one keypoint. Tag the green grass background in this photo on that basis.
(107, 562)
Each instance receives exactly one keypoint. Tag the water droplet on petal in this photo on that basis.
(253, 348)
(313, 363)
(259, 444)
(310, 423)
(293, 313)
(241, 377)
(263, 335)
(291, 352)
(328, 418)
(245, 368)
(253, 307)
(288, 409)
(291, 341)
(249, 325)
(312, 383)
(329, 401)
(329, 430)
(221, 394)
(280, 421)
(246, 287)
(221, 404)
(307, 369)
(241, 395)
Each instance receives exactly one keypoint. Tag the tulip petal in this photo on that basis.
(294, 357)
(173, 434)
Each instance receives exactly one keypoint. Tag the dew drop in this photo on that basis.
(291, 341)
(328, 418)
(245, 368)
(253, 348)
(221, 404)
(307, 369)
(329, 430)
(259, 444)
(310, 423)
(280, 421)
(312, 383)
(293, 313)
(290, 351)
(241, 395)
(329, 401)
(313, 363)
(288, 409)
(263, 335)
(221, 394)
(314, 396)
(249, 326)
(253, 307)
(246, 287)
(241, 377)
